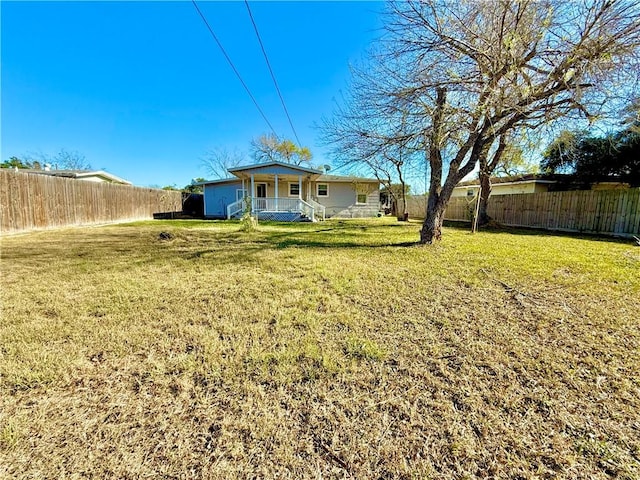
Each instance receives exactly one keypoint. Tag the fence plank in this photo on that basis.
(31, 201)
(611, 212)
(633, 209)
(634, 223)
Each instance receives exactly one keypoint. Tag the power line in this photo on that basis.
(235, 70)
(273, 77)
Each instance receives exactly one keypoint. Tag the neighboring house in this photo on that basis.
(87, 175)
(286, 192)
(531, 183)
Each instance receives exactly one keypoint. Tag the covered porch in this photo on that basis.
(279, 195)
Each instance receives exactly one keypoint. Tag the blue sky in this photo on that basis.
(142, 90)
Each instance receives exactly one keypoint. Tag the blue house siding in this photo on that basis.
(341, 196)
(217, 196)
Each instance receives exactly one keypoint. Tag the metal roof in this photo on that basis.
(219, 180)
(345, 179)
(80, 174)
(270, 164)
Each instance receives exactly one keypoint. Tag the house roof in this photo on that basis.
(320, 178)
(217, 181)
(271, 164)
(345, 179)
(80, 174)
(524, 178)
(541, 178)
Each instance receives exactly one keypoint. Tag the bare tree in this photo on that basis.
(368, 141)
(390, 172)
(464, 75)
(70, 160)
(218, 161)
(63, 160)
(514, 162)
(504, 158)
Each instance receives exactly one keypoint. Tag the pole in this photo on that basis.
(474, 225)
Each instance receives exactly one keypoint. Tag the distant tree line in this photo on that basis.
(63, 160)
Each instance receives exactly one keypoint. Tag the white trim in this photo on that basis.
(243, 192)
(266, 193)
(289, 194)
(365, 196)
(318, 190)
(253, 193)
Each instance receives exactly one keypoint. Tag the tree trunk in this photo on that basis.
(431, 231)
(486, 170)
(401, 213)
(394, 207)
(485, 191)
(403, 196)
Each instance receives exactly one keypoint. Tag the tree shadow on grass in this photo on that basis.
(320, 244)
(464, 226)
(242, 246)
(144, 244)
(342, 235)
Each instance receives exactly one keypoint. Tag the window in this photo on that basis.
(322, 190)
(294, 189)
(361, 198)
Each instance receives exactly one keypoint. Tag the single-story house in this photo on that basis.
(531, 183)
(287, 192)
(87, 175)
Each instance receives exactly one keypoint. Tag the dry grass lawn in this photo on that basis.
(328, 350)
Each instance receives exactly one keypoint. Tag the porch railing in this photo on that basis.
(235, 208)
(277, 205)
(318, 208)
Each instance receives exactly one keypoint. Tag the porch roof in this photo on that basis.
(279, 168)
(286, 172)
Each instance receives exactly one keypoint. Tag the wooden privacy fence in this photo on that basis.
(610, 212)
(30, 201)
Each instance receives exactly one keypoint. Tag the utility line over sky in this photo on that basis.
(136, 102)
(273, 77)
(235, 70)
